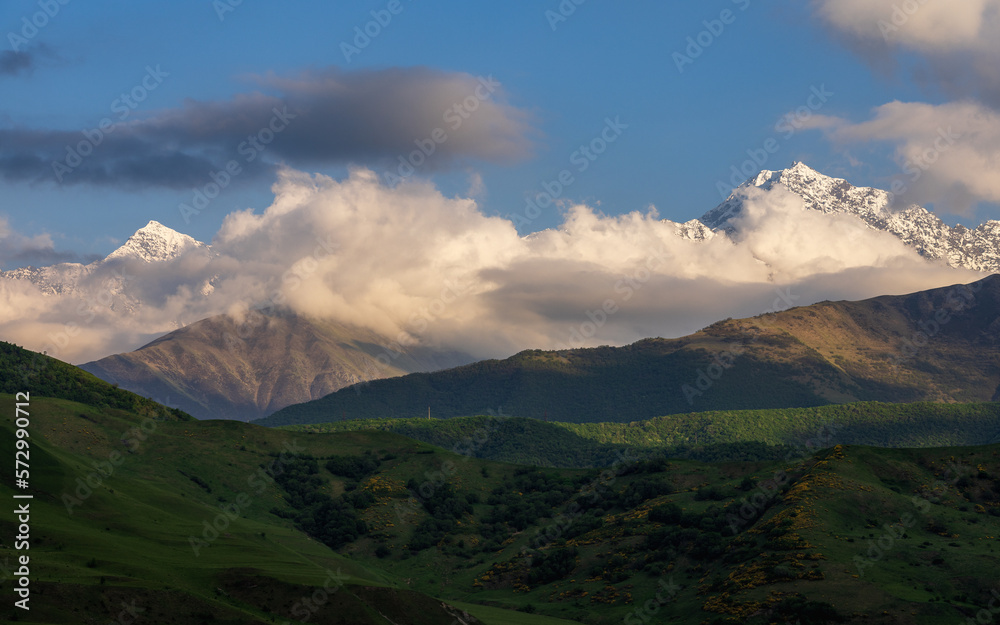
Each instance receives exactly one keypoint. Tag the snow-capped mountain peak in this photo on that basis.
(154, 242)
(977, 249)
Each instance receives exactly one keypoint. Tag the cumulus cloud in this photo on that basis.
(392, 119)
(956, 40)
(419, 267)
(947, 154)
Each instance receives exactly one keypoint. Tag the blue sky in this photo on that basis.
(560, 82)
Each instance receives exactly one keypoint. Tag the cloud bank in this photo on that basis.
(328, 116)
(947, 154)
(419, 267)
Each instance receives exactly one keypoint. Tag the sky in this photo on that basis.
(526, 151)
(689, 110)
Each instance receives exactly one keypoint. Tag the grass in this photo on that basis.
(130, 539)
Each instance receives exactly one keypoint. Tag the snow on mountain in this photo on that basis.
(693, 230)
(977, 249)
(152, 243)
(155, 242)
(58, 279)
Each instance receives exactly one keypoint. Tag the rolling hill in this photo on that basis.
(142, 513)
(939, 345)
(241, 524)
(733, 435)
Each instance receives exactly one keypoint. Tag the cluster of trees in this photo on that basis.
(332, 521)
(700, 536)
(530, 495)
(354, 467)
(551, 565)
(446, 507)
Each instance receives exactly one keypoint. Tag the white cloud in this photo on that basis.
(956, 40)
(18, 247)
(947, 153)
(415, 265)
(923, 25)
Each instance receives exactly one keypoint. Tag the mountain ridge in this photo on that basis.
(888, 348)
(977, 249)
(246, 368)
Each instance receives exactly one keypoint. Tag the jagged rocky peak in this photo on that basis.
(977, 249)
(155, 242)
(798, 173)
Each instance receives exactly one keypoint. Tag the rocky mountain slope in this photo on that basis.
(225, 368)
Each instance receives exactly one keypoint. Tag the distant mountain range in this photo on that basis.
(977, 248)
(938, 345)
(303, 359)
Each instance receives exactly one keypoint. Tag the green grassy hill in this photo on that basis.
(726, 544)
(372, 527)
(713, 435)
(133, 527)
(941, 345)
(125, 497)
